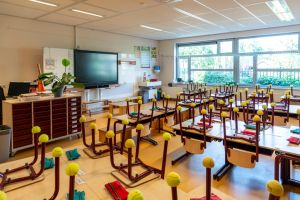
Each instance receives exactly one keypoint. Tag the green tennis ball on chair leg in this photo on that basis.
(135, 195)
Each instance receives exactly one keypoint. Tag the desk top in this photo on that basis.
(293, 98)
(42, 98)
(122, 104)
(293, 108)
(274, 138)
(156, 114)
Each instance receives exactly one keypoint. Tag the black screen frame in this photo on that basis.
(100, 84)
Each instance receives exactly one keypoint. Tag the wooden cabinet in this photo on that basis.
(57, 117)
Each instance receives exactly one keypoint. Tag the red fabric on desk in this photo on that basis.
(207, 120)
(201, 124)
(248, 132)
(213, 197)
(294, 140)
(119, 192)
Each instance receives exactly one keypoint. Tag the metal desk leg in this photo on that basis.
(185, 155)
(222, 171)
(149, 139)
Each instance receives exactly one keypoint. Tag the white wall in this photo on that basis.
(22, 42)
(21, 46)
(167, 47)
(129, 75)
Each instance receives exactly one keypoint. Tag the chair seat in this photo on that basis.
(193, 146)
(241, 158)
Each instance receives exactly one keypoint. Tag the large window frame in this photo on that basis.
(236, 57)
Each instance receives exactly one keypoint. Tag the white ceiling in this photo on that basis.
(126, 16)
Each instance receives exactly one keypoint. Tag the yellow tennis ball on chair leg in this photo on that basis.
(135, 195)
(3, 195)
(173, 179)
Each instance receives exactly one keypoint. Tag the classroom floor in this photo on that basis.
(238, 183)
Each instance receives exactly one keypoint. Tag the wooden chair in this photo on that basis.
(8, 177)
(125, 172)
(92, 150)
(239, 157)
(192, 146)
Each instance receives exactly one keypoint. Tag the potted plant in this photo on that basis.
(58, 84)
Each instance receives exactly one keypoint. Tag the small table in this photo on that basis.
(122, 106)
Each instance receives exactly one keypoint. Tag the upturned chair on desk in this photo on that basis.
(240, 157)
(192, 146)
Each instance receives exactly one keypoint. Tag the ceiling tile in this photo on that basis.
(294, 6)
(219, 4)
(62, 19)
(250, 2)
(260, 9)
(85, 7)
(122, 5)
(38, 6)
(190, 6)
(236, 13)
(19, 11)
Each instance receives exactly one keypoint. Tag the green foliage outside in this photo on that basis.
(267, 62)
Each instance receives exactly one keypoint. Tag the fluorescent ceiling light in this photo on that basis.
(156, 29)
(152, 28)
(87, 13)
(247, 10)
(194, 16)
(44, 3)
(281, 9)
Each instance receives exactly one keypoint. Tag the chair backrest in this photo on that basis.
(239, 157)
(191, 145)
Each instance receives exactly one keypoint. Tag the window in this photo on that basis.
(246, 70)
(206, 49)
(226, 46)
(278, 69)
(265, 60)
(270, 43)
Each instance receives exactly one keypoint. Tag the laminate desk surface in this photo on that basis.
(293, 108)
(274, 138)
(156, 114)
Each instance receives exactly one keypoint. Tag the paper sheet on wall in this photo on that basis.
(145, 57)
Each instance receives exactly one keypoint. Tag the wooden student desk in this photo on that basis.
(122, 106)
(93, 175)
(292, 112)
(274, 139)
(295, 98)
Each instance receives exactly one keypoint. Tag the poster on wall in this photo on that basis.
(153, 52)
(145, 57)
(137, 51)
